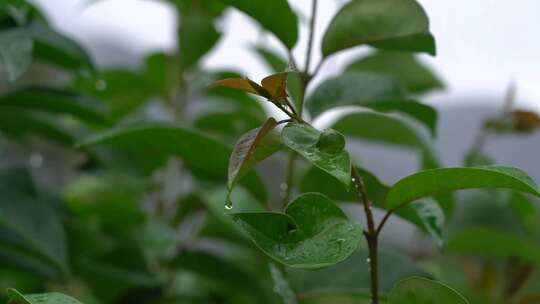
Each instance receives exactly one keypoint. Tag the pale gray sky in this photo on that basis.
(482, 45)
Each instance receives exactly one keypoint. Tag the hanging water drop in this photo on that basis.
(368, 260)
(228, 202)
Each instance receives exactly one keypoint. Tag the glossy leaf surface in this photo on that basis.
(252, 147)
(312, 233)
(303, 139)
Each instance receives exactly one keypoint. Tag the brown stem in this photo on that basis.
(371, 234)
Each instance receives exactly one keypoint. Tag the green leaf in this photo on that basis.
(282, 287)
(312, 233)
(353, 275)
(55, 48)
(415, 76)
(385, 24)
(303, 139)
(197, 35)
(83, 108)
(32, 223)
(434, 181)
(391, 128)
(42, 298)
(251, 148)
(353, 88)
(426, 214)
(149, 146)
(417, 290)
(276, 16)
(432, 217)
(15, 54)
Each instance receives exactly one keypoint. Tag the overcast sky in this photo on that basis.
(482, 45)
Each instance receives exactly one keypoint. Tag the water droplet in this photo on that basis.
(101, 85)
(353, 180)
(368, 260)
(228, 202)
(36, 160)
(283, 187)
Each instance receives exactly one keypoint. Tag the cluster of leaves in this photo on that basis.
(118, 190)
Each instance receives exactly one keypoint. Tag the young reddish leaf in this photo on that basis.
(276, 85)
(239, 84)
(526, 120)
(261, 91)
(252, 147)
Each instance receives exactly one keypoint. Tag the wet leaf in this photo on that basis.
(251, 148)
(303, 139)
(312, 233)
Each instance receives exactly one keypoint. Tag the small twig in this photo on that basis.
(311, 34)
(372, 237)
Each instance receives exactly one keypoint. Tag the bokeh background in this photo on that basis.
(482, 48)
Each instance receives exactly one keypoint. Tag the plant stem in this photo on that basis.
(311, 34)
(289, 177)
(371, 234)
